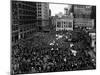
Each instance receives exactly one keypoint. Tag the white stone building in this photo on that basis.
(64, 23)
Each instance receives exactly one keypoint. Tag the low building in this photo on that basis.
(64, 23)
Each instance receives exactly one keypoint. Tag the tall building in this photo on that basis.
(24, 17)
(42, 14)
(28, 17)
(15, 24)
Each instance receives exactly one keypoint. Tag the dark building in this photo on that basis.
(93, 15)
(15, 23)
(28, 17)
(24, 18)
(82, 16)
(82, 11)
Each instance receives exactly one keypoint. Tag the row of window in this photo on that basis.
(82, 6)
(67, 24)
(14, 12)
(27, 22)
(25, 12)
(27, 7)
(39, 15)
(26, 34)
(14, 5)
(27, 17)
(84, 9)
(39, 4)
(15, 21)
(39, 8)
(90, 25)
(64, 26)
(29, 3)
(63, 22)
(27, 27)
(14, 17)
(39, 12)
(82, 16)
(23, 5)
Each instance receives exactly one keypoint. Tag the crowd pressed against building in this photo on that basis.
(41, 41)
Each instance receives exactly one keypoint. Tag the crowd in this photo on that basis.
(36, 55)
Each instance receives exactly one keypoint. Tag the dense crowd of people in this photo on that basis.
(36, 55)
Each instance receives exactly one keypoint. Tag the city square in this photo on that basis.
(45, 41)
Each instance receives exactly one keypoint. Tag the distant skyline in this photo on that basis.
(57, 8)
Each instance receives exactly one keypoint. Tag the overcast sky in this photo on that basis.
(56, 8)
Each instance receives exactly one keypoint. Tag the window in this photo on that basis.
(15, 27)
(70, 24)
(21, 35)
(39, 14)
(16, 38)
(64, 22)
(66, 26)
(58, 24)
(39, 11)
(39, 8)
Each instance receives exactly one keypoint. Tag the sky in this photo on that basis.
(56, 8)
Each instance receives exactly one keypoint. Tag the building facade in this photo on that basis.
(28, 17)
(42, 14)
(64, 23)
(15, 24)
(23, 19)
(82, 11)
(52, 20)
(82, 16)
(83, 23)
